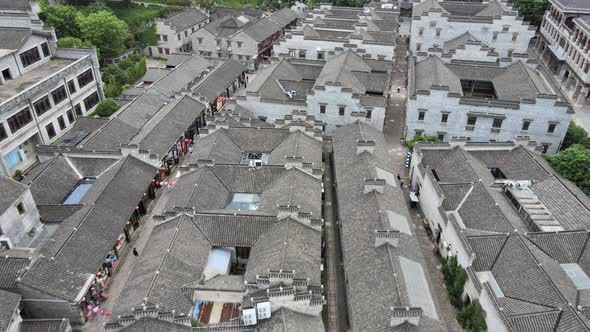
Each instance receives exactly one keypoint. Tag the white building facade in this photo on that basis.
(42, 92)
(564, 46)
(174, 32)
(450, 108)
(496, 30)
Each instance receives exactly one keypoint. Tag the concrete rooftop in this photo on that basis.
(32, 77)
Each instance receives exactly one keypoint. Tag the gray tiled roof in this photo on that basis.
(342, 69)
(426, 6)
(175, 59)
(186, 19)
(294, 187)
(297, 144)
(54, 181)
(284, 17)
(215, 83)
(10, 193)
(454, 194)
(188, 188)
(242, 179)
(114, 198)
(515, 163)
(262, 29)
(44, 325)
(479, 212)
(487, 249)
(10, 269)
(176, 255)
(460, 40)
(433, 72)
(149, 324)
(287, 245)
(58, 212)
(449, 165)
(228, 230)
(14, 38)
(226, 26)
(565, 247)
(17, 5)
(220, 12)
(566, 208)
(160, 134)
(131, 120)
(285, 320)
(154, 74)
(9, 302)
(373, 285)
(572, 5)
(472, 9)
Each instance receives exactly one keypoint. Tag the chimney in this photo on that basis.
(363, 145)
(293, 161)
(374, 184)
(390, 237)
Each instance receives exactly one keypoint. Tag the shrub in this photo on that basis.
(106, 108)
(123, 74)
(473, 318)
(422, 138)
(73, 42)
(455, 278)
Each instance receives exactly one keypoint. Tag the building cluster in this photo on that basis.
(478, 73)
(518, 229)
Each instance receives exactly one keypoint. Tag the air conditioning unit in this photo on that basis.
(263, 309)
(218, 48)
(249, 316)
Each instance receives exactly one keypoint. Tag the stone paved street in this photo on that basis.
(393, 130)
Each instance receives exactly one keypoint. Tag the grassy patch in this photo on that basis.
(237, 3)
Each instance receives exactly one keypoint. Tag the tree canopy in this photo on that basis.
(576, 135)
(531, 10)
(74, 43)
(105, 31)
(573, 164)
(63, 19)
(106, 108)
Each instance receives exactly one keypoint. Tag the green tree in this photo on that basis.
(146, 37)
(106, 108)
(63, 19)
(576, 135)
(531, 10)
(455, 278)
(573, 164)
(473, 318)
(105, 31)
(73, 42)
(97, 6)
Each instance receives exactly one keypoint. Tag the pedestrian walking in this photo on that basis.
(135, 253)
(401, 184)
(399, 178)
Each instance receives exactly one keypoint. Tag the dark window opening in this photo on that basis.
(421, 115)
(59, 95)
(19, 120)
(497, 173)
(6, 74)
(91, 101)
(551, 128)
(441, 137)
(85, 78)
(497, 123)
(42, 105)
(3, 133)
(322, 109)
(435, 174)
(70, 114)
(61, 122)
(369, 113)
(471, 120)
(29, 57)
(20, 208)
(526, 125)
(444, 118)
(480, 89)
(78, 109)
(72, 86)
(45, 49)
(341, 110)
(50, 130)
